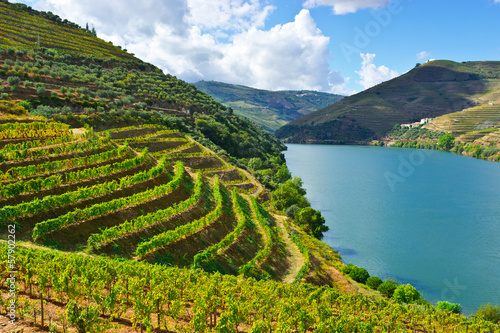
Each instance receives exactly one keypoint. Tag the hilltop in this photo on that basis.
(268, 109)
(430, 90)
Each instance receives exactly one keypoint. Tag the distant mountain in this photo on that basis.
(427, 91)
(268, 109)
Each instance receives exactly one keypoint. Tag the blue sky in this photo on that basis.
(339, 46)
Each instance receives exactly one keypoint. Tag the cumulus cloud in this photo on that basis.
(290, 56)
(223, 40)
(424, 54)
(236, 15)
(372, 75)
(341, 7)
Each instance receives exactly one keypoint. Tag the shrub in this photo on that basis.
(41, 90)
(446, 141)
(387, 288)
(312, 222)
(373, 282)
(347, 268)
(292, 211)
(4, 96)
(25, 104)
(359, 274)
(447, 306)
(13, 80)
(489, 312)
(406, 294)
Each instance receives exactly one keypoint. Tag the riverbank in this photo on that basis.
(421, 217)
(485, 147)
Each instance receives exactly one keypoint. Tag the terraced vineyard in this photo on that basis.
(477, 123)
(147, 193)
(179, 206)
(38, 32)
(125, 208)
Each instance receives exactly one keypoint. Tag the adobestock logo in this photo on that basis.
(363, 37)
(452, 290)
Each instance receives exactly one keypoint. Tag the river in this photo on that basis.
(424, 217)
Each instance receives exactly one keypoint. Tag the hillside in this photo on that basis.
(427, 91)
(268, 109)
(130, 201)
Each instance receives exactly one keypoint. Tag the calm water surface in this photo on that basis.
(427, 218)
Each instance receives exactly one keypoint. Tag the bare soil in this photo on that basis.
(71, 187)
(154, 147)
(126, 244)
(70, 236)
(200, 162)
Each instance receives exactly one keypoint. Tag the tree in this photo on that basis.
(374, 282)
(289, 193)
(446, 141)
(406, 294)
(284, 174)
(447, 306)
(13, 80)
(387, 288)
(312, 222)
(255, 163)
(292, 211)
(359, 274)
(41, 90)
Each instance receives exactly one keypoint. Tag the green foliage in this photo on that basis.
(489, 312)
(288, 194)
(446, 141)
(374, 282)
(26, 105)
(109, 234)
(41, 90)
(13, 80)
(447, 306)
(359, 274)
(406, 294)
(312, 222)
(292, 211)
(387, 288)
(255, 163)
(348, 268)
(85, 320)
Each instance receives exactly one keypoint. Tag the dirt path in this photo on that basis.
(258, 186)
(294, 255)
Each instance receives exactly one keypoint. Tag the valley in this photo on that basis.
(132, 201)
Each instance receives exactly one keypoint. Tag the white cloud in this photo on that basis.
(290, 56)
(228, 14)
(223, 40)
(372, 75)
(424, 54)
(341, 7)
